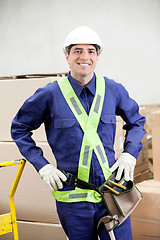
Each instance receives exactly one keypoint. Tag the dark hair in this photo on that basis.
(97, 48)
(68, 49)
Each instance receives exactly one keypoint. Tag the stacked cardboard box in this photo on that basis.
(144, 165)
(150, 109)
(145, 219)
(155, 144)
(35, 206)
(13, 92)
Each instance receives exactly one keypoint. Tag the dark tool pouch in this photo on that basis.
(120, 200)
(120, 197)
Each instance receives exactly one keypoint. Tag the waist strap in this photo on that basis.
(75, 182)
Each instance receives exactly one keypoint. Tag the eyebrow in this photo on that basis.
(83, 48)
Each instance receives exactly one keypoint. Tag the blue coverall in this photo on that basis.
(64, 136)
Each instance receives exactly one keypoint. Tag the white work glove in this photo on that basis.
(126, 162)
(52, 176)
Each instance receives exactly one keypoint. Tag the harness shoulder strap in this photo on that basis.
(91, 141)
(89, 124)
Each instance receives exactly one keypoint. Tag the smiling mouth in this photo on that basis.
(84, 64)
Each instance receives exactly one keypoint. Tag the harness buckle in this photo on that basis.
(71, 179)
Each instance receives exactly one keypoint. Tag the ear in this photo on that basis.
(67, 56)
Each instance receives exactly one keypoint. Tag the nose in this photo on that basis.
(84, 55)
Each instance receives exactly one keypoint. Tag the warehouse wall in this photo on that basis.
(32, 33)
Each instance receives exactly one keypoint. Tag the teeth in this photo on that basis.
(84, 64)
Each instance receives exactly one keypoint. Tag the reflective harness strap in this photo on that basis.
(91, 140)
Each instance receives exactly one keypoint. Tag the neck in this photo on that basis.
(83, 80)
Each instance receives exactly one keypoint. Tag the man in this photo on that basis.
(79, 114)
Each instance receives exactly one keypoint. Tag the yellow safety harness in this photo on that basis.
(91, 141)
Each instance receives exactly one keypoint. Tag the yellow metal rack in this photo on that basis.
(8, 222)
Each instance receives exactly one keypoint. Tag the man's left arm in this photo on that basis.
(128, 109)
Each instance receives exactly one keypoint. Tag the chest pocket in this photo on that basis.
(107, 128)
(64, 123)
(65, 132)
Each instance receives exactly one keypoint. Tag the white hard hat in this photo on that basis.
(82, 35)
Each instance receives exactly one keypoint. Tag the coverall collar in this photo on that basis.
(78, 88)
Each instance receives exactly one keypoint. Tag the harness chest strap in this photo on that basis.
(91, 140)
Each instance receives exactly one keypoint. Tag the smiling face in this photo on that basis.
(82, 60)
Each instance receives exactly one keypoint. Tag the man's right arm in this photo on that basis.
(29, 117)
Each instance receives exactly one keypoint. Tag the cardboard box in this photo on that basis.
(145, 230)
(142, 163)
(13, 93)
(149, 110)
(34, 75)
(155, 144)
(149, 206)
(142, 176)
(145, 218)
(37, 231)
(142, 111)
(33, 199)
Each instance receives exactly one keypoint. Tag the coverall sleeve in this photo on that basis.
(128, 109)
(29, 117)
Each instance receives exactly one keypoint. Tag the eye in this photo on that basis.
(77, 51)
(92, 51)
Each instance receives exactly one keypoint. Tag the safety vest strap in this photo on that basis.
(86, 155)
(77, 195)
(91, 140)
